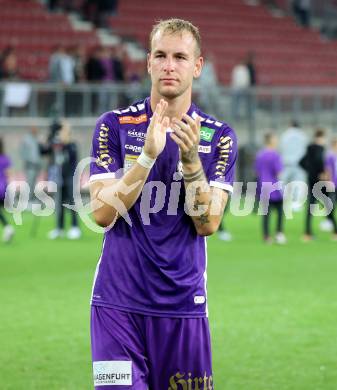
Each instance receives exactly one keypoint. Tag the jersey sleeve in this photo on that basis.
(105, 153)
(222, 168)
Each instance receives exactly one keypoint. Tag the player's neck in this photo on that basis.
(176, 106)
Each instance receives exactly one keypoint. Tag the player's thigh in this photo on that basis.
(118, 351)
(179, 354)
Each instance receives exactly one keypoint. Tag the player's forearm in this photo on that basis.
(200, 199)
(116, 199)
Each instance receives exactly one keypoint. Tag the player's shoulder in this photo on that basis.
(115, 120)
(133, 114)
(211, 128)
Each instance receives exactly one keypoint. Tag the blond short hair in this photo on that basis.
(174, 26)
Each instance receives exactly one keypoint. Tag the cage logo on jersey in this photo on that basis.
(137, 134)
(225, 148)
(134, 120)
(114, 372)
(134, 148)
(103, 158)
(204, 148)
(206, 133)
(180, 381)
(129, 160)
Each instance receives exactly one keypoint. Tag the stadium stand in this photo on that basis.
(34, 32)
(286, 54)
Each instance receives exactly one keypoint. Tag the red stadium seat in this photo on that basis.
(34, 32)
(286, 54)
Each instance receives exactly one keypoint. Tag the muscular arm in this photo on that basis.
(112, 198)
(205, 204)
(104, 193)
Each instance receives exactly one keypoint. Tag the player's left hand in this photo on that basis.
(187, 136)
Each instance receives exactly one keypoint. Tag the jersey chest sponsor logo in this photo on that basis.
(204, 148)
(139, 135)
(206, 133)
(114, 372)
(134, 148)
(135, 120)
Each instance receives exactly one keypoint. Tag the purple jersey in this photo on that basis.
(268, 166)
(156, 267)
(5, 163)
(331, 166)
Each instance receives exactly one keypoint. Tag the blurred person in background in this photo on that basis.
(79, 56)
(223, 233)
(99, 11)
(118, 55)
(95, 73)
(94, 69)
(293, 145)
(62, 66)
(313, 162)
(331, 170)
(31, 157)
(9, 64)
(268, 166)
(5, 163)
(209, 87)
(250, 63)
(106, 61)
(301, 9)
(240, 83)
(64, 157)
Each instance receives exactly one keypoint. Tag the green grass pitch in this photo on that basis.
(273, 310)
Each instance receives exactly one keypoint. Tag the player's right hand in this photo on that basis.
(155, 140)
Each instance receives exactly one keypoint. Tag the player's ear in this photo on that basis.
(199, 62)
(148, 59)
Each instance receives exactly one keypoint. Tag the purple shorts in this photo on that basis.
(133, 351)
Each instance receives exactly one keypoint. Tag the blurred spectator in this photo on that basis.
(79, 56)
(313, 163)
(64, 157)
(8, 64)
(5, 163)
(31, 157)
(62, 67)
(293, 144)
(107, 65)
(106, 8)
(108, 77)
(93, 68)
(301, 9)
(331, 169)
(240, 83)
(209, 87)
(268, 166)
(223, 233)
(95, 73)
(98, 12)
(250, 63)
(118, 64)
(53, 5)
